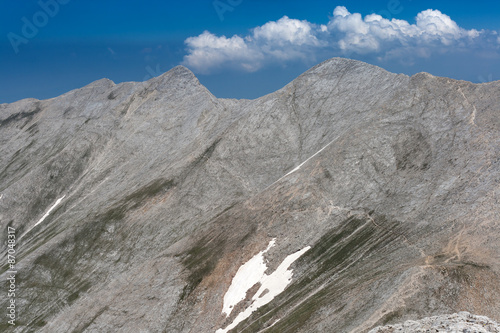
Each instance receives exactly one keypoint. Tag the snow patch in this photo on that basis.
(46, 214)
(271, 285)
(248, 275)
(301, 164)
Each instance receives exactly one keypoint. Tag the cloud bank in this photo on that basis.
(345, 34)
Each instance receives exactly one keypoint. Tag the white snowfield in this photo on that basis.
(248, 275)
(45, 216)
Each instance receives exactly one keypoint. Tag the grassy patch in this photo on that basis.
(62, 274)
(200, 261)
(136, 199)
(329, 269)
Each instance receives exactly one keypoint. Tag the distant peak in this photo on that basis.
(422, 75)
(107, 83)
(337, 63)
(179, 72)
(335, 69)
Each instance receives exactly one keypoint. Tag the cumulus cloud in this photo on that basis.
(344, 34)
(286, 31)
(208, 51)
(280, 40)
(373, 33)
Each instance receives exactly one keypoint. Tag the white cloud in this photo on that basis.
(344, 34)
(280, 40)
(433, 23)
(286, 30)
(374, 33)
(208, 51)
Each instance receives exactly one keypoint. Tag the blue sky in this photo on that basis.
(237, 48)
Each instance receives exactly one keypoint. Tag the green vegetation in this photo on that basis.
(323, 279)
(61, 274)
(200, 260)
(136, 199)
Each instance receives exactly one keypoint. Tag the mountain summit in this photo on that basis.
(349, 199)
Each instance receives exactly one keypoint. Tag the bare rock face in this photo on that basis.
(462, 322)
(137, 206)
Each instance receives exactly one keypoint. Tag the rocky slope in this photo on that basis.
(387, 184)
(458, 322)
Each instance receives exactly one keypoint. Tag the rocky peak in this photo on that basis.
(177, 77)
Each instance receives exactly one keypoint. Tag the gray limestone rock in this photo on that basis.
(158, 192)
(462, 322)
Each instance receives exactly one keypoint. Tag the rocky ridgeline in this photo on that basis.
(462, 322)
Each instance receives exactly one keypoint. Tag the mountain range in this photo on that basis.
(349, 199)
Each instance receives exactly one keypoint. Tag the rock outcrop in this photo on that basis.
(462, 322)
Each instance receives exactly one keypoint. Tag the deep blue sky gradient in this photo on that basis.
(132, 40)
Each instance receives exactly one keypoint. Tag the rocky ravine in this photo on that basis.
(157, 193)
